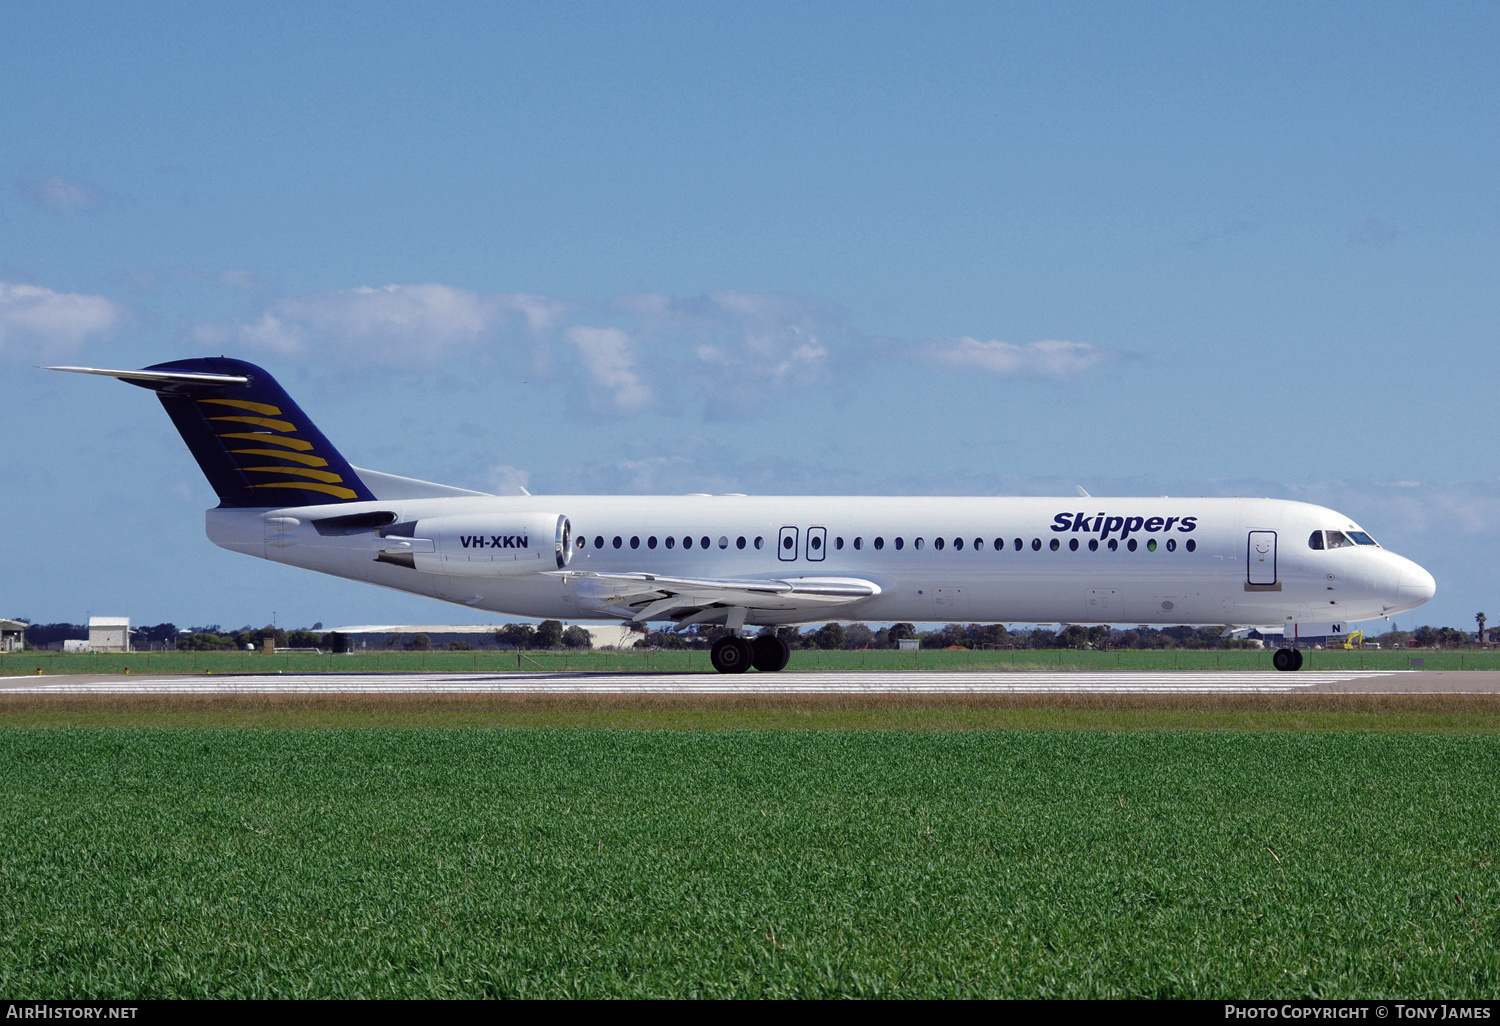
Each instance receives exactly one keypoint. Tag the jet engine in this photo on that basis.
(480, 544)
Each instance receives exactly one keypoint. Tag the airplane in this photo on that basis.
(287, 495)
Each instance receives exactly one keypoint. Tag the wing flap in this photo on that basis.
(642, 596)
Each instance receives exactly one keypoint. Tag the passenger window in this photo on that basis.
(958, 544)
(786, 543)
(704, 541)
(1315, 540)
(1190, 545)
(739, 542)
(1151, 545)
(1072, 544)
(879, 544)
(1019, 544)
(635, 543)
(1114, 545)
(759, 542)
(859, 543)
(723, 542)
(582, 542)
(1093, 544)
(815, 542)
(671, 541)
(687, 542)
(1131, 545)
(1036, 545)
(917, 544)
(838, 543)
(651, 542)
(617, 541)
(937, 543)
(1171, 544)
(599, 541)
(1055, 545)
(900, 544)
(999, 545)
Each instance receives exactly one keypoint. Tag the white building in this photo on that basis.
(109, 634)
(12, 632)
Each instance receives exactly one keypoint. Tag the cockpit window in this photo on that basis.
(1315, 540)
(1337, 540)
(1360, 538)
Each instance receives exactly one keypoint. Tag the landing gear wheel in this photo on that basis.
(1287, 659)
(770, 653)
(731, 655)
(1296, 659)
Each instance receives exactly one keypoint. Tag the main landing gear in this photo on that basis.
(734, 654)
(1287, 659)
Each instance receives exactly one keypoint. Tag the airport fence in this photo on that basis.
(688, 660)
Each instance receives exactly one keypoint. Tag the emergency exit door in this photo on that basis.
(1260, 558)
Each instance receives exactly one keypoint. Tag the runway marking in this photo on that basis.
(909, 683)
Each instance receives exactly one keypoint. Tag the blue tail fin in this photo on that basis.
(255, 446)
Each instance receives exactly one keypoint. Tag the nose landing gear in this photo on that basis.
(1287, 659)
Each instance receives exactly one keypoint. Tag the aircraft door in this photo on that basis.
(1260, 558)
(817, 542)
(786, 545)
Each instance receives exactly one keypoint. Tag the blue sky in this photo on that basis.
(863, 248)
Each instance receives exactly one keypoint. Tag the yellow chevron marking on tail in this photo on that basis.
(265, 422)
(311, 461)
(342, 493)
(246, 404)
(316, 475)
(290, 443)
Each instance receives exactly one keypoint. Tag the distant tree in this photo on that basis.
(989, 635)
(1479, 618)
(421, 643)
(460, 646)
(161, 634)
(1073, 636)
(897, 632)
(204, 642)
(515, 635)
(548, 635)
(829, 636)
(40, 635)
(301, 639)
(577, 637)
(858, 635)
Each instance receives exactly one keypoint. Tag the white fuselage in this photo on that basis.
(1193, 561)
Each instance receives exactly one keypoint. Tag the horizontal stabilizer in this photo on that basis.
(389, 487)
(164, 377)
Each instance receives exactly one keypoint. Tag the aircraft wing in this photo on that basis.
(641, 596)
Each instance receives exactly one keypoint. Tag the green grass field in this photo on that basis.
(747, 863)
(24, 663)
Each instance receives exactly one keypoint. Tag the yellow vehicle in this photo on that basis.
(1354, 640)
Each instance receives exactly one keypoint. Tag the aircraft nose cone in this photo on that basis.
(1416, 585)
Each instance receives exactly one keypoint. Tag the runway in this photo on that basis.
(785, 683)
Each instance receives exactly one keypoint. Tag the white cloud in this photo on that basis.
(36, 322)
(508, 480)
(60, 194)
(237, 278)
(609, 359)
(733, 352)
(1036, 359)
